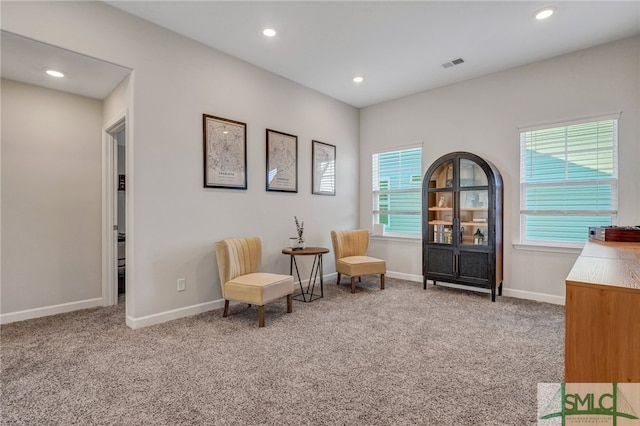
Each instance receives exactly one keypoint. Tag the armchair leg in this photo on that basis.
(353, 284)
(338, 280)
(289, 303)
(226, 308)
(381, 281)
(261, 316)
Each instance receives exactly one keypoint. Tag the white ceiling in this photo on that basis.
(397, 46)
(26, 60)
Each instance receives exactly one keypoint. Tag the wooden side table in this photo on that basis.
(308, 294)
(602, 311)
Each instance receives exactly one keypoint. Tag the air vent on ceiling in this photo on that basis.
(452, 63)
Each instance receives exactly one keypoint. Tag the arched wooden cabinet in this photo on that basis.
(462, 222)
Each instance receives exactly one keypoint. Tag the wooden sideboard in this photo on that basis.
(602, 314)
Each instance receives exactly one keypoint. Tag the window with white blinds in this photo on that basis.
(568, 180)
(397, 184)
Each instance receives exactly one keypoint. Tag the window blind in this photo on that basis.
(397, 183)
(568, 180)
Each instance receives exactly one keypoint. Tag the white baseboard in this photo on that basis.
(173, 314)
(326, 277)
(507, 292)
(531, 295)
(403, 276)
(389, 274)
(516, 294)
(187, 311)
(49, 310)
(161, 317)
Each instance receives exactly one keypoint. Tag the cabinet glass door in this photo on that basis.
(440, 218)
(471, 174)
(442, 177)
(474, 211)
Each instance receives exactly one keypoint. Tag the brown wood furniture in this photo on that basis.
(602, 310)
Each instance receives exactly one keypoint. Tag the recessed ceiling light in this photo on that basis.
(269, 32)
(358, 79)
(544, 13)
(54, 73)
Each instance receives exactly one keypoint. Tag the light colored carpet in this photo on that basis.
(400, 356)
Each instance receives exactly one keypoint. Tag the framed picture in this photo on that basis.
(282, 162)
(471, 199)
(225, 153)
(323, 168)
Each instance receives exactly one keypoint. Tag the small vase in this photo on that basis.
(300, 243)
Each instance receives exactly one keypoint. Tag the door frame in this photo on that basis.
(110, 207)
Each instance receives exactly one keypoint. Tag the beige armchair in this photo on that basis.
(238, 264)
(350, 249)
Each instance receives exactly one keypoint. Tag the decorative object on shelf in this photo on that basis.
(449, 181)
(225, 153)
(471, 200)
(462, 243)
(447, 235)
(323, 168)
(478, 237)
(282, 162)
(300, 230)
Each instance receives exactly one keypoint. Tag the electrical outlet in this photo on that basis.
(182, 284)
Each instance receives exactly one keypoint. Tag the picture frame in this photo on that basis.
(471, 199)
(323, 168)
(282, 161)
(224, 152)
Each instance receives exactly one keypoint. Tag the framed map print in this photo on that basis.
(282, 162)
(323, 168)
(225, 153)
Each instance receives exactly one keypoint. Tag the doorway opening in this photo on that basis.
(115, 200)
(121, 200)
